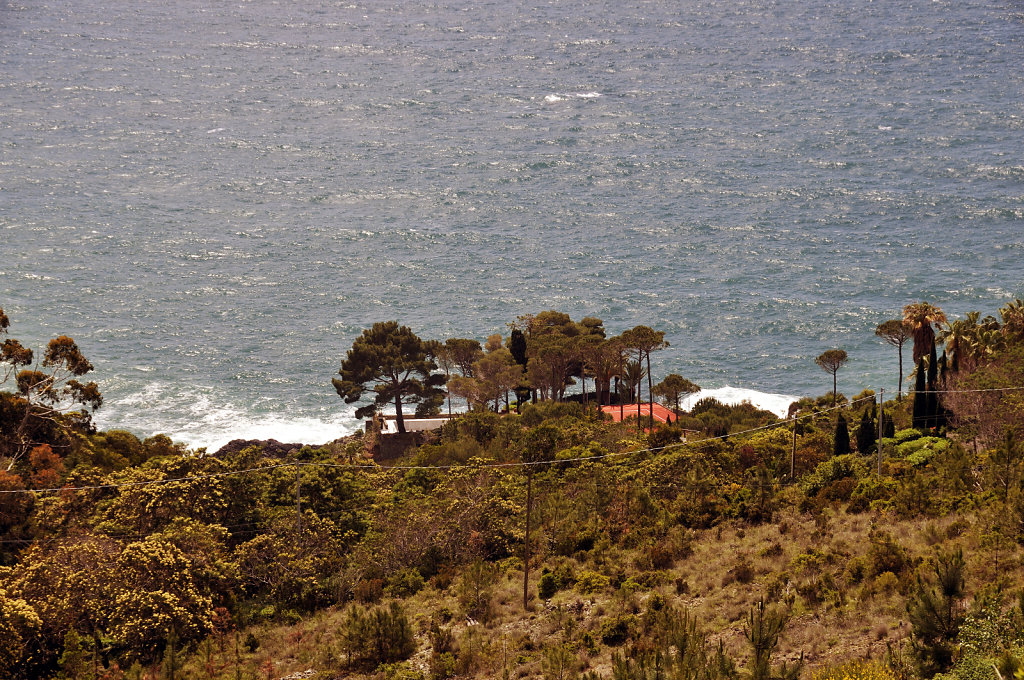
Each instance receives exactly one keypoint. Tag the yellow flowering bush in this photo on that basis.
(18, 621)
(856, 670)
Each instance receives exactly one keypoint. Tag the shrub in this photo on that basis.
(405, 583)
(869, 489)
(855, 670)
(743, 572)
(886, 554)
(615, 632)
(906, 435)
(381, 635)
(369, 591)
(919, 452)
(662, 556)
(886, 582)
(589, 582)
(832, 470)
(564, 575)
(547, 586)
(251, 643)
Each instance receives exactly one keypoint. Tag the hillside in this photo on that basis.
(757, 547)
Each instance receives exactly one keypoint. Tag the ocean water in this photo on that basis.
(214, 199)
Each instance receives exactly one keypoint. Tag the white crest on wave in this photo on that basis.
(200, 419)
(776, 403)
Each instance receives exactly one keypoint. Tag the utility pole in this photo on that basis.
(298, 499)
(526, 543)
(792, 456)
(618, 393)
(881, 417)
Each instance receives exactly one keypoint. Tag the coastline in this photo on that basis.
(212, 427)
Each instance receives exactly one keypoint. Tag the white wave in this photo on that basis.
(776, 403)
(552, 98)
(203, 421)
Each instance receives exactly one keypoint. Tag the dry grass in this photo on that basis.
(838, 611)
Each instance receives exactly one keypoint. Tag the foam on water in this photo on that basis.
(762, 183)
(776, 403)
(211, 420)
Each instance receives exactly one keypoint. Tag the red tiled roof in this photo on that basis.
(661, 414)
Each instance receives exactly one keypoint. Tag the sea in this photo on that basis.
(215, 198)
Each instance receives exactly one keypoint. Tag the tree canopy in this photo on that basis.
(396, 364)
(896, 333)
(41, 407)
(831, 361)
(674, 388)
(922, 318)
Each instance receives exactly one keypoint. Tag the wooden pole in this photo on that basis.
(792, 455)
(881, 417)
(618, 393)
(526, 543)
(298, 499)
(650, 390)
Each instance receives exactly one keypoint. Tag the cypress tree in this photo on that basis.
(888, 426)
(941, 413)
(866, 434)
(841, 441)
(920, 416)
(932, 406)
(517, 348)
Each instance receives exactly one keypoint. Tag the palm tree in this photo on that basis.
(920, 317)
(957, 338)
(1013, 318)
(633, 375)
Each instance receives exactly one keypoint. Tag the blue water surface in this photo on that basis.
(214, 199)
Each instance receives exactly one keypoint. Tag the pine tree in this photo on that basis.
(393, 363)
(763, 628)
(935, 612)
(77, 662)
(172, 662)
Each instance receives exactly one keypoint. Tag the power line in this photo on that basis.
(512, 464)
(149, 482)
(987, 389)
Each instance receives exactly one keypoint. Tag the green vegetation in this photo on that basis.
(399, 367)
(543, 540)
